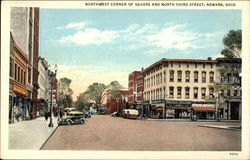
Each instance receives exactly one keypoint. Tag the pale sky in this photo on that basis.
(103, 45)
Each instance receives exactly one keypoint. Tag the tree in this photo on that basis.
(115, 88)
(95, 92)
(65, 97)
(82, 103)
(233, 44)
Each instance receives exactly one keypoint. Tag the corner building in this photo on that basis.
(178, 88)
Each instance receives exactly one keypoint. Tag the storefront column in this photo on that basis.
(229, 111)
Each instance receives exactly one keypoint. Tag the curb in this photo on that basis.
(218, 127)
(48, 138)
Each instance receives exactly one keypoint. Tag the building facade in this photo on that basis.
(178, 88)
(135, 86)
(118, 104)
(228, 82)
(43, 81)
(24, 38)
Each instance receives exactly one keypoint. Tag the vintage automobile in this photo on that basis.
(72, 118)
(87, 115)
(130, 113)
(115, 114)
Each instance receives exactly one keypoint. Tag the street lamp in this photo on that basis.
(51, 74)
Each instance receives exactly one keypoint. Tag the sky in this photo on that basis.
(103, 45)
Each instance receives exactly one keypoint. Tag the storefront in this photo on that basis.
(203, 111)
(178, 109)
(158, 109)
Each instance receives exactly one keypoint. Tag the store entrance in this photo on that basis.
(235, 110)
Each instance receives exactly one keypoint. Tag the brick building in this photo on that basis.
(117, 104)
(135, 87)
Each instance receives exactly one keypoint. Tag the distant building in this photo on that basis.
(117, 104)
(135, 87)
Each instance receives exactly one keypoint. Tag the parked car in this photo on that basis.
(72, 118)
(87, 115)
(130, 113)
(115, 114)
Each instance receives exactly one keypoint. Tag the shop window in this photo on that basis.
(179, 92)
(187, 76)
(171, 92)
(211, 77)
(171, 76)
(179, 74)
(196, 76)
(203, 77)
(203, 93)
(187, 92)
(195, 93)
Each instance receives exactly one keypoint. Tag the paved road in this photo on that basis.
(115, 133)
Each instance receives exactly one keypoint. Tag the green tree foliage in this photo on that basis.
(65, 97)
(233, 44)
(115, 88)
(95, 92)
(82, 103)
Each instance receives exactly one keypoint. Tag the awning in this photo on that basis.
(205, 109)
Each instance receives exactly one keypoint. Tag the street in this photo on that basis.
(103, 132)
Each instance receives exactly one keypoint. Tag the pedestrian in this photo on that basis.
(46, 116)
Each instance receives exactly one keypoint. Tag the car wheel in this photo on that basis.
(68, 123)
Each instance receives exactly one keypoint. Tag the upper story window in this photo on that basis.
(171, 76)
(171, 92)
(179, 64)
(222, 77)
(15, 72)
(228, 93)
(211, 66)
(222, 93)
(235, 93)
(171, 64)
(179, 74)
(195, 92)
(229, 77)
(179, 92)
(195, 65)
(211, 77)
(187, 92)
(29, 75)
(204, 77)
(204, 65)
(196, 73)
(187, 76)
(211, 92)
(164, 76)
(203, 93)
(11, 67)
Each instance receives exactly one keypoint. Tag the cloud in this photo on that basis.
(84, 75)
(90, 36)
(76, 26)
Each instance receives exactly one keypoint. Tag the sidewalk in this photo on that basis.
(30, 134)
(235, 127)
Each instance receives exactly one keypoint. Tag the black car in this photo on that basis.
(115, 114)
(87, 115)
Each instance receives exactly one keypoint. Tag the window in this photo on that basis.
(229, 77)
(196, 77)
(203, 93)
(163, 97)
(171, 92)
(222, 93)
(179, 65)
(195, 65)
(161, 78)
(187, 92)
(29, 75)
(211, 92)
(195, 93)
(204, 65)
(187, 76)
(211, 77)
(164, 74)
(179, 76)
(160, 93)
(171, 63)
(187, 65)
(211, 66)
(228, 93)
(179, 92)
(15, 72)
(21, 76)
(18, 72)
(222, 78)
(235, 92)
(203, 77)
(24, 78)
(171, 76)
(11, 68)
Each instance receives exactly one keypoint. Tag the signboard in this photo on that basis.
(178, 102)
(19, 90)
(158, 101)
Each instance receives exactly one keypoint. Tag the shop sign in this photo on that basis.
(146, 101)
(158, 101)
(19, 90)
(178, 102)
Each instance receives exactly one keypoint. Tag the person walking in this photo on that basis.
(46, 116)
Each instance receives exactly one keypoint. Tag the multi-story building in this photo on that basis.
(18, 108)
(43, 81)
(135, 87)
(24, 30)
(179, 88)
(228, 84)
(117, 104)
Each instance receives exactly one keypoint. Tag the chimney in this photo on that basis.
(209, 58)
(142, 69)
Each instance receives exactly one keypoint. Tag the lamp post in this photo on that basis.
(51, 75)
